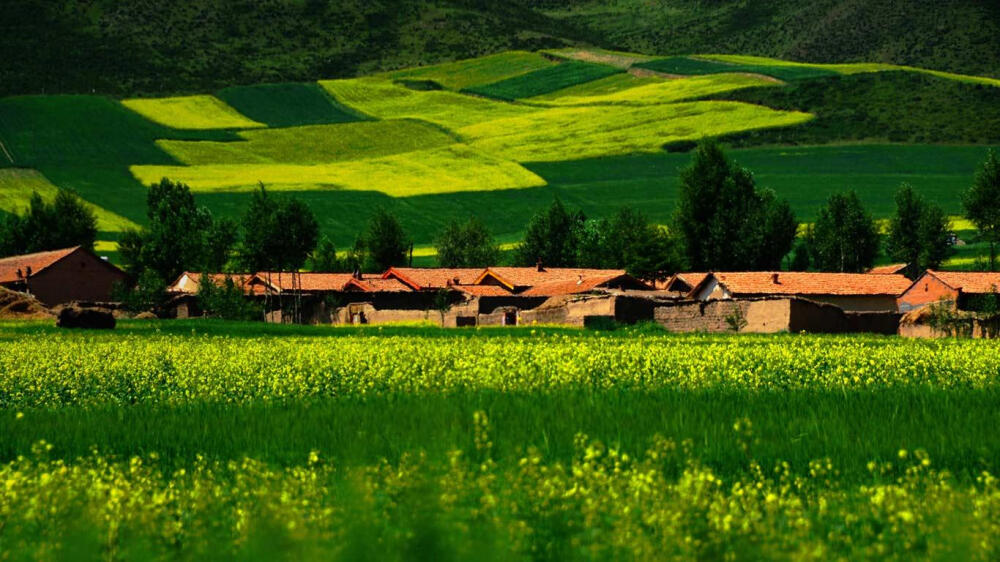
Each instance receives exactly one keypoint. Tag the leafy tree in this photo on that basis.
(324, 258)
(226, 300)
(553, 238)
(724, 222)
(627, 240)
(800, 256)
(220, 240)
(277, 233)
(655, 256)
(64, 223)
(918, 232)
(982, 203)
(385, 242)
(468, 244)
(174, 239)
(844, 237)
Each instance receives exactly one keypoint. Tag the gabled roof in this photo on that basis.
(189, 281)
(523, 277)
(421, 279)
(803, 283)
(377, 285)
(36, 262)
(969, 282)
(681, 282)
(896, 268)
(314, 282)
(580, 285)
(483, 290)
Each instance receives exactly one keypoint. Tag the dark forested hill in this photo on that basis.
(160, 46)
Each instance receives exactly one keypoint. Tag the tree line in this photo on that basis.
(723, 221)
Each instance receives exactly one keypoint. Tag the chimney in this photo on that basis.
(20, 274)
(579, 280)
(27, 272)
(538, 265)
(774, 279)
(357, 274)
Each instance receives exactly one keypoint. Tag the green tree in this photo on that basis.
(724, 222)
(174, 238)
(220, 240)
(226, 300)
(844, 237)
(552, 238)
(63, 223)
(656, 256)
(385, 242)
(918, 232)
(468, 244)
(324, 258)
(982, 203)
(277, 233)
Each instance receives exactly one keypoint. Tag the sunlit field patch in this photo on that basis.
(17, 186)
(441, 170)
(190, 112)
(581, 132)
(658, 91)
(474, 72)
(383, 99)
(545, 80)
(314, 144)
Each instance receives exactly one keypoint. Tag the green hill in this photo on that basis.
(499, 136)
(187, 46)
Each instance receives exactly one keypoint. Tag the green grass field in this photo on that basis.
(545, 81)
(287, 105)
(17, 186)
(478, 71)
(212, 439)
(190, 112)
(687, 66)
(652, 91)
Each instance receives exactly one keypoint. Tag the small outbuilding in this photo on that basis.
(962, 290)
(61, 276)
(852, 292)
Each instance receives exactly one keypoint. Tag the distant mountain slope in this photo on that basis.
(155, 46)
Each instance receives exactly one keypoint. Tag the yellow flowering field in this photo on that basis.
(190, 112)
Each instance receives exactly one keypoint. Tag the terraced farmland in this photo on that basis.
(497, 137)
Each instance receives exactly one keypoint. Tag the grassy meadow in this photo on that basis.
(203, 438)
(499, 136)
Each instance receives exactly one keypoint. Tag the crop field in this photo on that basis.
(286, 105)
(190, 112)
(199, 439)
(326, 143)
(441, 170)
(17, 186)
(581, 132)
(655, 91)
(545, 80)
(685, 66)
(476, 72)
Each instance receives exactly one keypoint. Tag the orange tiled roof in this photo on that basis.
(580, 285)
(520, 277)
(378, 285)
(187, 282)
(802, 283)
(433, 278)
(483, 290)
(689, 279)
(888, 269)
(974, 282)
(304, 281)
(37, 262)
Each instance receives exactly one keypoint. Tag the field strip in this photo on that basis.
(18, 184)
(191, 112)
(383, 99)
(314, 144)
(661, 92)
(569, 133)
(441, 170)
(476, 72)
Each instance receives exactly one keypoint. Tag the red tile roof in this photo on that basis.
(483, 290)
(36, 262)
(681, 282)
(801, 283)
(888, 269)
(188, 282)
(580, 285)
(377, 285)
(522, 277)
(433, 278)
(970, 282)
(316, 282)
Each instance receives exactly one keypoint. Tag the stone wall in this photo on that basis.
(767, 316)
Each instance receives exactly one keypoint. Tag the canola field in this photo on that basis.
(200, 439)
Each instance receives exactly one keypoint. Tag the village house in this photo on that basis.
(852, 292)
(182, 294)
(962, 290)
(681, 284)
(61, 276)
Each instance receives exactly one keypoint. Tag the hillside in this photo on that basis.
(187, 46)
(499, 136)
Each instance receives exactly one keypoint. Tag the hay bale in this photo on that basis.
(146, 316)
(86, 318)
(21, 306)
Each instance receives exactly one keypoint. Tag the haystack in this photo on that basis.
(21, 306)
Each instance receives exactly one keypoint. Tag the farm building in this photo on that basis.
(681, 283)
(189, 281)
(61, 276)
(964, 290)
(852, 292)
